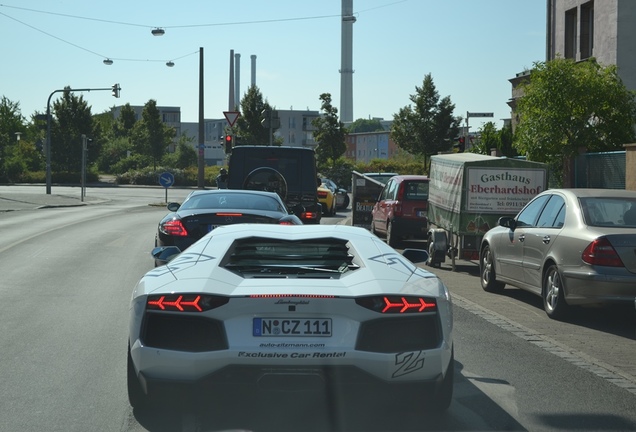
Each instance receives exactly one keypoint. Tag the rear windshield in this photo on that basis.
(609, 211)
(416, 190)
(232, 201)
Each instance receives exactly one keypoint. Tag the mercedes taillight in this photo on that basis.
(601, 252)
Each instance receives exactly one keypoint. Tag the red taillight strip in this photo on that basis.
(290, 295)
(229, 214)
(179, 303)
(404, 305)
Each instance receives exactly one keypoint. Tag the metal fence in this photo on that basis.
(604, 170)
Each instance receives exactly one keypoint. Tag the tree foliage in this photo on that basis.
(150, 135)
(72, 119)
(365, 125)
(427, 126)
(248, 128)
(567, 105)
(329, 133)
(11, 122)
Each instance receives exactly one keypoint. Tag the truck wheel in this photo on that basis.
(488, 277)
(431, 262)
(552, 293)
(391, 239)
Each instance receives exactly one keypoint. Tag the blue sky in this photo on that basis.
(470, 47)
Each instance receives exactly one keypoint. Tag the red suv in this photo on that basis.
(401, 210)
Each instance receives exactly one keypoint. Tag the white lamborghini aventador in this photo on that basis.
(291, 305)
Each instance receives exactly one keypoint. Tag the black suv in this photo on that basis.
(289, 171)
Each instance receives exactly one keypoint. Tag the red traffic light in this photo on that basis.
(228, 138)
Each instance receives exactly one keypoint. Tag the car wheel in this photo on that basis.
(136, 395)
(552, 293)
(443, 395)
(488, 277)
(391, 239)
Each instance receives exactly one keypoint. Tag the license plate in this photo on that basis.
(320, 327)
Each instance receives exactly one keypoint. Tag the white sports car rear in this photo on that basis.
(291, 305)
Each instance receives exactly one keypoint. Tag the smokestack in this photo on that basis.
(231, 104)
(346, 62)
(237, 80)
(253, 57)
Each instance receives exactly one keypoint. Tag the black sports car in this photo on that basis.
(204, 210)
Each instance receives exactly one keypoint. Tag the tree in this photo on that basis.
(568, 105)
(11, 122)
(488, 139)
(329, 133)
(248, 126)
(124, 124)
(72, 119)
(151, 136)
(365, 125)
(428, 126)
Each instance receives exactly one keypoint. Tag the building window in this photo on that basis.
(570, 34)
(587, 30)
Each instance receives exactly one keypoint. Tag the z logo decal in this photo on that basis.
(408, 363)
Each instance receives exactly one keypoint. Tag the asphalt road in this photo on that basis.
(67, 277)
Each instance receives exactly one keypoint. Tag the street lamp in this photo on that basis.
(158, 31)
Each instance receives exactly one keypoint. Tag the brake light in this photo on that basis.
(230, 214)
(284, 223)
(185, 302)
(309, 215)
(174, 228)
(397, 208)
(322, 194)
(601, 252)
(398, 304)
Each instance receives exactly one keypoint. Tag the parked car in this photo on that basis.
(291, 308)
(204, 210)
(327, 200)
(570, 246)
(401, 210)
(342, 196)
(382, 177)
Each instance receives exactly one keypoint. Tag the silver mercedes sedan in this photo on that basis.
(570, 246)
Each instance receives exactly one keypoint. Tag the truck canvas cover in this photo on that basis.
(469, 192)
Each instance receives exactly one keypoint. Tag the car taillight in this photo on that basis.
(309, 215)
(285, 223)
(185, 302)
(600, 252)
(174, 228)
(398, 304)
(230, 214)
(322, 194)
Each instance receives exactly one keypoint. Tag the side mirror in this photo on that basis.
(415, 255)
(173, 206)
(165, 254)
(508, 222)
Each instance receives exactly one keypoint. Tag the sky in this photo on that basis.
(471, 48)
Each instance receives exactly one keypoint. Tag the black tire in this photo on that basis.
(552, 293)
(136, 396)
(487, 274)
(443, 396)
(391, 239)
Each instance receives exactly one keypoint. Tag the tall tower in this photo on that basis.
(346, 62)
(237, 79)
(253, 58)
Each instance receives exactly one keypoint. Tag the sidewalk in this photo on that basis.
(12, 201)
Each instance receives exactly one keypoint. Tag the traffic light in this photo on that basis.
(461, 144)
(228, 143)
(116, 90)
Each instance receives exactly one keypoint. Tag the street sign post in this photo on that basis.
(166, 180)
(479, 114)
